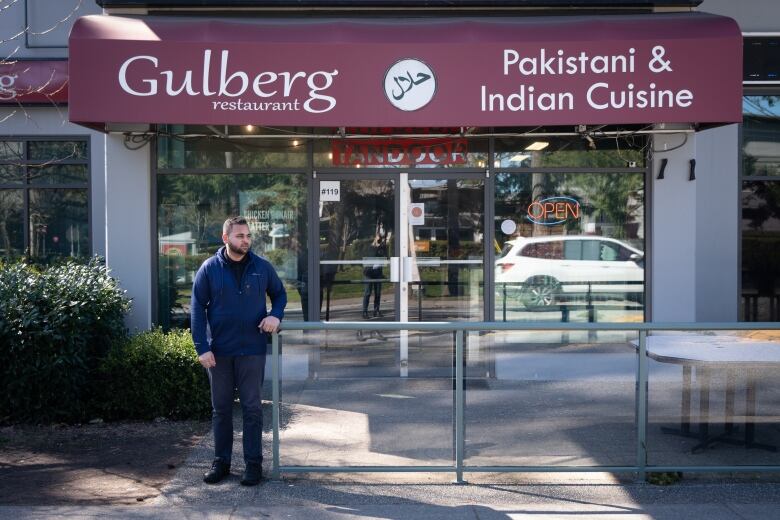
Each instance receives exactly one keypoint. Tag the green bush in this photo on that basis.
(56, 323)
(153, 374)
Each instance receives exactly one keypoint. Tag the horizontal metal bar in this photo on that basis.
(261, 137)
(368, 261)
(420, 261)
(524, 326)
(549, 469)
(523, 469)
(366, 469)
(711, 469)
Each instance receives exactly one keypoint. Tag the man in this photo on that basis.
(229, 326)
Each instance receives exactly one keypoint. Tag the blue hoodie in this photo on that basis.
(233, 312)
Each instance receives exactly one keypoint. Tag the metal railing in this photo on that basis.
(641, 467)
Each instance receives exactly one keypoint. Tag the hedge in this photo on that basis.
(153, 374)
(56, 324)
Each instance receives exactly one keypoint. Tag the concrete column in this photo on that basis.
(673, 242)
(717, 224)
(128, 225)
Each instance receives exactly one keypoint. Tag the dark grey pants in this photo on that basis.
(245, 373)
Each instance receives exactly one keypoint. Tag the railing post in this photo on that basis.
(503, 305)
(641, 427)
(275, 386)
(460, 426)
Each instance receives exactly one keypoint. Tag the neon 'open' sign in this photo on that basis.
(553, 210)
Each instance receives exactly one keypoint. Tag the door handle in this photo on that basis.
(395, 269)
(407, 272)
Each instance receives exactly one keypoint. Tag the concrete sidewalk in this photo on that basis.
(426, 495)
(433, 496)
(282, 500)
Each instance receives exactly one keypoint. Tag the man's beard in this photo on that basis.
(236, 250)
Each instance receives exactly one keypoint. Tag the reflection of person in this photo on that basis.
(374, 272)
(229, 326)
(302, 276)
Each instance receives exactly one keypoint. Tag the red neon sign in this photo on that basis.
(399, 152)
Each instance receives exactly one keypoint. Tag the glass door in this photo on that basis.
(445, 264)
(357, 240)
(401, 247)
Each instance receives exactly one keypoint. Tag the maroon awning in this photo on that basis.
(33, 82)
(632, 69)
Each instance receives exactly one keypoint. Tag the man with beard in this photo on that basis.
(229, 326)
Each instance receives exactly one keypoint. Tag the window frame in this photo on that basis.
(26, 186)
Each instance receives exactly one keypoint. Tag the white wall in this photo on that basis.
(717, 224)
(51, 121)
(695, 240)
(47, 35)
(673, 228)
(128, 225)
(751, 15)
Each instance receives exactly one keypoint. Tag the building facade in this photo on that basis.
(534, 189)
(52, 182)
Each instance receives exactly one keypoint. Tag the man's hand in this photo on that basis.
(207, 360)
(269, 324)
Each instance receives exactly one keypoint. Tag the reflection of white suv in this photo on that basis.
(542, 270)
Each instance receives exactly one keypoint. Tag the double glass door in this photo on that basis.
(401, 247)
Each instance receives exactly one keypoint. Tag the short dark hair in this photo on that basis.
(227, 227)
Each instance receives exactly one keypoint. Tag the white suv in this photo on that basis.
(542, 271)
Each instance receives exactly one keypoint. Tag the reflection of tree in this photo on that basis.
(761, 202)
(614, 198)
(10, 213)
(352, 222)
(761, 243)
(199, 204)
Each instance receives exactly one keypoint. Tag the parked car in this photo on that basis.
(543, 271)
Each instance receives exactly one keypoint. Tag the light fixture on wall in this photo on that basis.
(537, 146)
(662, 169)
(518, 158)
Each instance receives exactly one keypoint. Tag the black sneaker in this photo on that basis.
(253, 474)
(219, 470)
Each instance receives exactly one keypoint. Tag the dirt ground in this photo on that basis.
(92, 464)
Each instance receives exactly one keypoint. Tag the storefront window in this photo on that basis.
(11, 223)
(761, 251)
(761, 136)
(190, 213)
(228, 147)
(58, 223)
(761, 208)
(44, 198)
(569, 246)
(560, 152)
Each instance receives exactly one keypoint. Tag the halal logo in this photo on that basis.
(409, 84)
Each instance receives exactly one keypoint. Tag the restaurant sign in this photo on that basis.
(671, 68)
(33, 82)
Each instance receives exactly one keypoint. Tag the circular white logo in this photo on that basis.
(508, 227)
(409, 84)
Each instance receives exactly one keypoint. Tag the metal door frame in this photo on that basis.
(398, 176)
